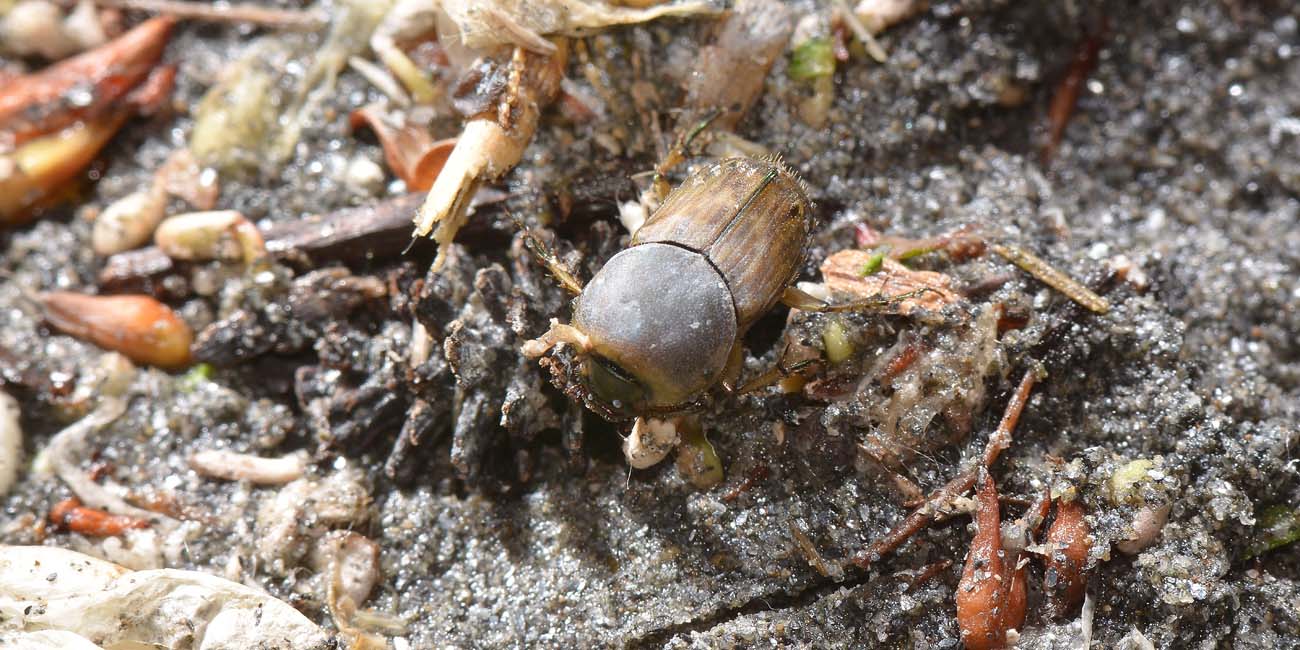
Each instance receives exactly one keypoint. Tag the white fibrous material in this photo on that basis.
(487, 23)
(53, 595)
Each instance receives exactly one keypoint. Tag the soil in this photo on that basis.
(1175, 192)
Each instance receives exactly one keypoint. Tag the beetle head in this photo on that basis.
(652, 332)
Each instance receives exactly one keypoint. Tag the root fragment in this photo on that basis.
(60, 458)
(492, 142)
(232, 466)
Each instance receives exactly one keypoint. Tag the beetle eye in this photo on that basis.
(612, 384)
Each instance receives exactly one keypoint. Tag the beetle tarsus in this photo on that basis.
(774, 374)
(550, 260)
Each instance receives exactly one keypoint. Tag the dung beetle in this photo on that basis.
(661, 324)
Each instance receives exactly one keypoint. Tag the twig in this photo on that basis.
(1052, 277)
(860, 30)
(351, 235)
(809, 551)
(1001, 438)
(926, 573)
(1066, 97)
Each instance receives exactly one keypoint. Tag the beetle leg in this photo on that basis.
(797, 298)
(550, 260)
(774, 374)
(731, 373)
(676, 155)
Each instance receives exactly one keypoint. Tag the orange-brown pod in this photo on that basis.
(1067, 540)
(139, 327)
(991, 593)
(40, 103)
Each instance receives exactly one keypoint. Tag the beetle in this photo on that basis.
(661, 323)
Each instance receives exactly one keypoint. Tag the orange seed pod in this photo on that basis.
(991, 593)
(140, 327)
(1068, 544)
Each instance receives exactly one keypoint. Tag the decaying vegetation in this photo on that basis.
(229, 348)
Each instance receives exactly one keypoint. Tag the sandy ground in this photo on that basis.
(1183, 158)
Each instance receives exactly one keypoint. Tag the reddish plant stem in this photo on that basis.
(1066, 97)
(71, 515)
(963, 481)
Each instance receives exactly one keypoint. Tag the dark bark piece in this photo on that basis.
(349, 236)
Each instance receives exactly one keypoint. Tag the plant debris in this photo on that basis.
(493, 138)
(110, 607)
(1040, 269)
(11, 442)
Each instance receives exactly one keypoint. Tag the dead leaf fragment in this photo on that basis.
(843, 273)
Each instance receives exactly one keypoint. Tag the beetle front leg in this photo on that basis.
(777, 373)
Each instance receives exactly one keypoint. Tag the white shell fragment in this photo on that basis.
(650, 442)
(45, 590)
(47, 640)
(232, 466)
(11, 442)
